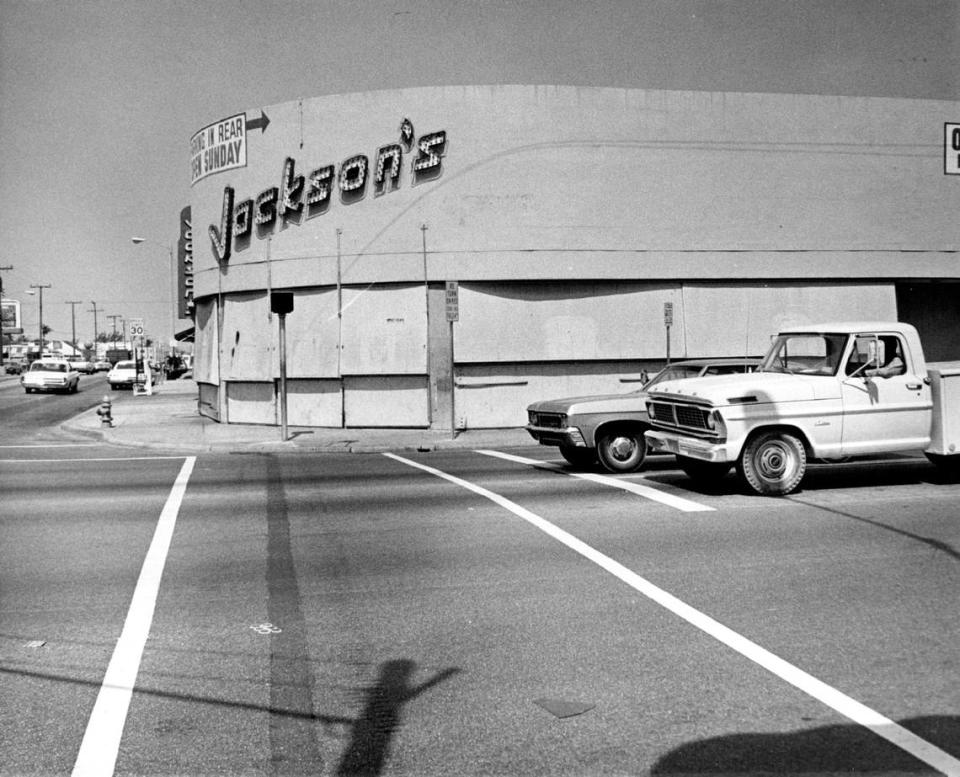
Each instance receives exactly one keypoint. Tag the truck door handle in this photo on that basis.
(914, 386)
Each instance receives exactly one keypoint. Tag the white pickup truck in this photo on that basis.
(824, 392)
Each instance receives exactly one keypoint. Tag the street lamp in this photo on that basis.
(173, 282)
(41, 287)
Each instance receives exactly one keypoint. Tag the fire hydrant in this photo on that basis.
(105, 411)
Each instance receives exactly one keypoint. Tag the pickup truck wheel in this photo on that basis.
(705, 473)
(578, 457)
(622, 449)
(773, 463)
(948, 466)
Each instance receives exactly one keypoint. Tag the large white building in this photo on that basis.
(571, 220)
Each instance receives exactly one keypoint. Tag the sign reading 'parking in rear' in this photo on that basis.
(951, 149)
(218, 147)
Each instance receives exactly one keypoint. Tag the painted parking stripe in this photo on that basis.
(850, 708)
(648, 492)
(101, 740)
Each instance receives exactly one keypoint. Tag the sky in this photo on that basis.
(99, 98)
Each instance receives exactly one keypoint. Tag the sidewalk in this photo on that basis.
(168, 420)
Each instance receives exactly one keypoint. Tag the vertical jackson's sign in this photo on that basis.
(218, 147)
(185, 266)
(300, 197)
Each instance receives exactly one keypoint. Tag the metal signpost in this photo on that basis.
(281, 303)
(668, 322)
(140, 383)
(453, 314)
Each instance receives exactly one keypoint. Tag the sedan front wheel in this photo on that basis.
(622, 449)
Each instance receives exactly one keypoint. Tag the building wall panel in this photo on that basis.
(384, 330)
(386, 400)
(250, 403)
(562, 321)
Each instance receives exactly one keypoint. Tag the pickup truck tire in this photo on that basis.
(578, 457)
(948, 466)
(705, 473)
(622, 449)
(773, 463)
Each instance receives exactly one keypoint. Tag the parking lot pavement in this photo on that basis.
(168, 419)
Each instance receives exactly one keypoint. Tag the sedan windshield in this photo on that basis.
(805, 354)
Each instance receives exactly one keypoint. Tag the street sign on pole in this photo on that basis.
(136, 327)
(668, 322)
(453, 301)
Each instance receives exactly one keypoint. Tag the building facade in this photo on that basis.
(455, 253)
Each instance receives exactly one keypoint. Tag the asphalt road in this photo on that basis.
(468, 613)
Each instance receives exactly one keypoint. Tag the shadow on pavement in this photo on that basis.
(828, 750)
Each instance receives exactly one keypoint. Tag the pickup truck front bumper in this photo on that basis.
(691, 447)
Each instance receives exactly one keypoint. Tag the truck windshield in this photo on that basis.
(805, 354)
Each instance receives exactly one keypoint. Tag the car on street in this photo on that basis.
(81, 365)
(102, 366)
(611, 427)
(13, 366)
(50, 375)
(124, 374)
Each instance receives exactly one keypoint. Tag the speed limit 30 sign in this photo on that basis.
(136, 327)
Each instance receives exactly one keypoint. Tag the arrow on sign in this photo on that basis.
(260, 123)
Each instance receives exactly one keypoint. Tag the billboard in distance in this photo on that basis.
(10, 316)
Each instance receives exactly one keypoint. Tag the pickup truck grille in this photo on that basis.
(680, 417)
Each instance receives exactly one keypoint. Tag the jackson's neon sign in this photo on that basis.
(302, 197)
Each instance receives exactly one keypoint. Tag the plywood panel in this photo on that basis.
(206, 365)
(314, 403)
(384, 330)
(312, 336)
(247, 350)
(561, 321)
(392, 400)
(726, 320)
(251, 403)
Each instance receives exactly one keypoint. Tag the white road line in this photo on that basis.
(72, 461)
(635, 488)
(54, 445)
(848, 707)
(101, 741)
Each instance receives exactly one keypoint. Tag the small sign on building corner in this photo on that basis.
(453, 301)
(951, 149)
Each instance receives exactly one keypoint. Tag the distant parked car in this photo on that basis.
(610, 427)
(124, 374)
(102, 366)
(50, 375)
(13, 366)
(81, 365)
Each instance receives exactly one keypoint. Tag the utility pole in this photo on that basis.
(41, 287)
(113, 320)
(96, 334)
(7, 267)
(73, 320)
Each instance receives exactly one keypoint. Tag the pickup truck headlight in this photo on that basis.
(715, 423)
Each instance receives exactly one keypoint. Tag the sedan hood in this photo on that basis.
(751, 388)
(597, 403)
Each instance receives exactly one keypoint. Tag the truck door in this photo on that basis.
(886, 406)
